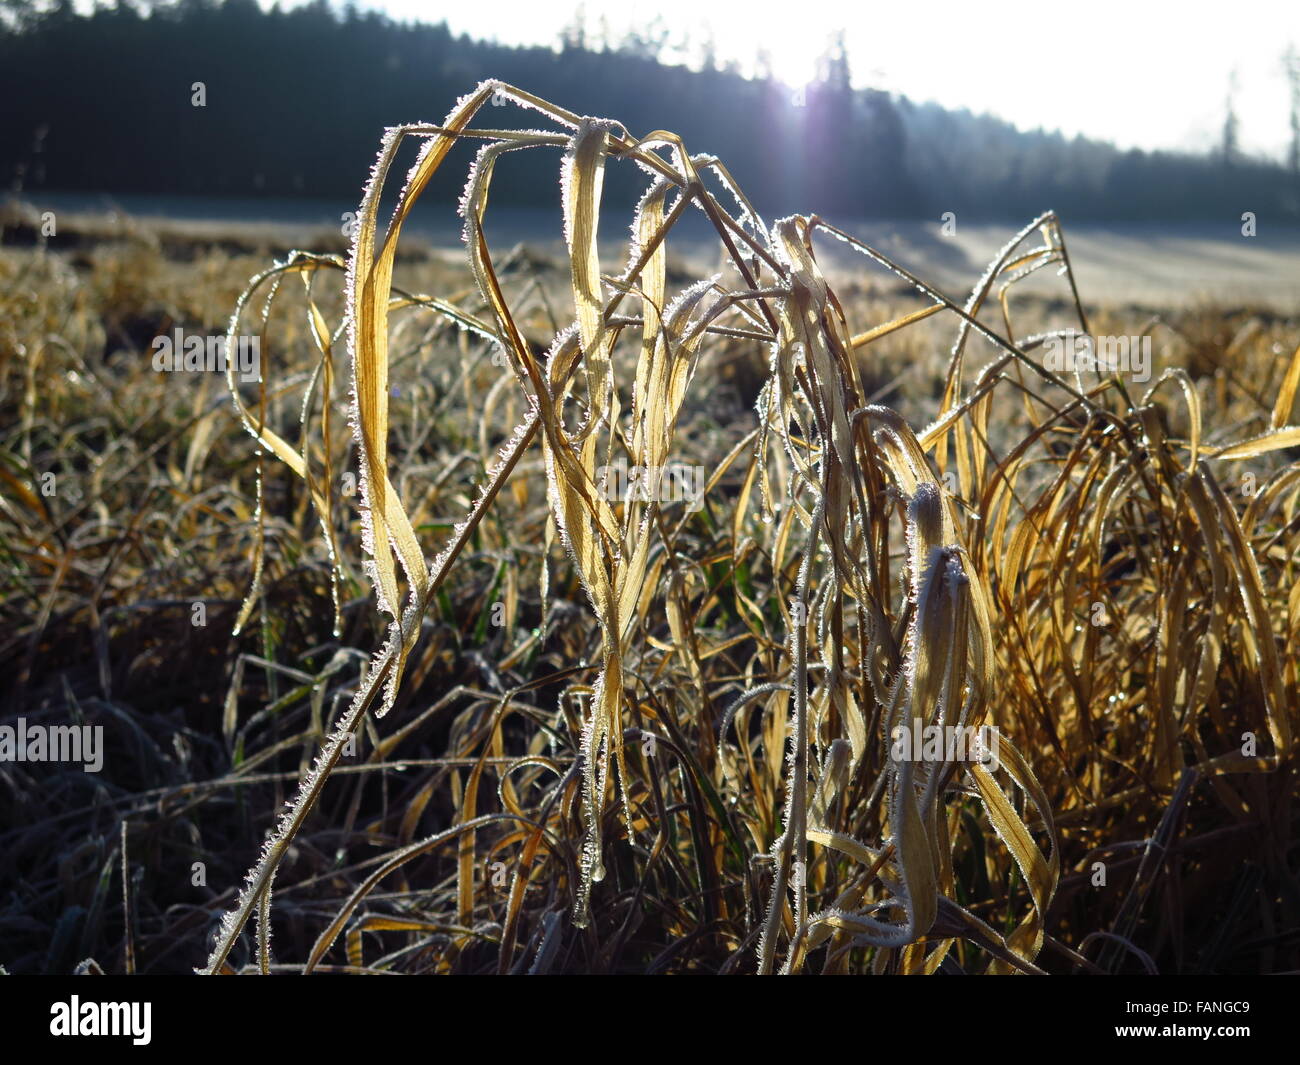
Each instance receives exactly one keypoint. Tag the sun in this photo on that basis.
(794, 68)
(794, 56)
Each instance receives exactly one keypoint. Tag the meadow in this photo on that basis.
(391, 682)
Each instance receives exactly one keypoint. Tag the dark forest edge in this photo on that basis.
(293, 103)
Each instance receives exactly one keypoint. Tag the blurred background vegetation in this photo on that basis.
(296, 100)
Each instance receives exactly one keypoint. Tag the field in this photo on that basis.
(527, 722)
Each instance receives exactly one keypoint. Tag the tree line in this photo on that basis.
(206, 97)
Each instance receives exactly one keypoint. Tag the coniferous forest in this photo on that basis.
(292, 103)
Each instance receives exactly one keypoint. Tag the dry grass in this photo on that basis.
(626, 735)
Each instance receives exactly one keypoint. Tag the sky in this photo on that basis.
(1138, 73)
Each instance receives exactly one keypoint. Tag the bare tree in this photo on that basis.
(1291, 64)
(1230, 124)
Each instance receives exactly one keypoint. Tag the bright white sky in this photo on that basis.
(1136, 72)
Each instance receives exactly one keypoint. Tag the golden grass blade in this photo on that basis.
(1286, 393)
(1275, 440)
